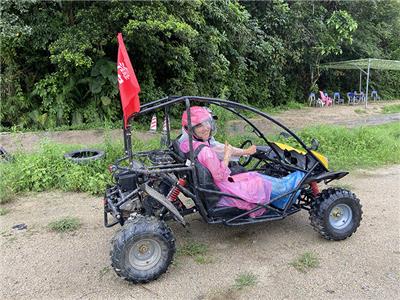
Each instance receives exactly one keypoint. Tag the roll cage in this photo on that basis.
(164, 168)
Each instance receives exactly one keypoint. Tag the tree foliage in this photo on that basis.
(58, 58)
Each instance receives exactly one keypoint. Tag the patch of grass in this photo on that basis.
(4, 211)
(391, 109)
(198, 251)
(360, 111)
(203, 260)
(305, 262)
(284, 107)
(66, 224)
(7, 194)
(104, 271)
(193, 249)
(245, 280)
(362, 147)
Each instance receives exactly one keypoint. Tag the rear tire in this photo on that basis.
(336, 214)
(142, 250)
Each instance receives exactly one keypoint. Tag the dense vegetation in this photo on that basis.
(58, 58)
(47, 169)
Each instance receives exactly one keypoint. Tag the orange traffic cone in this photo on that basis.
(153, 124)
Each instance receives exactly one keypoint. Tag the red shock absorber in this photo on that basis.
(314, 188)
(174, 192)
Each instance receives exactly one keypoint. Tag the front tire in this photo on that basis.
(142, 250)
(336, 214)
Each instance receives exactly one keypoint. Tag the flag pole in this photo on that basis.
(128, 141)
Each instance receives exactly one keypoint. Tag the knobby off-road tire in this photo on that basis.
(336, 214)
(142, 250)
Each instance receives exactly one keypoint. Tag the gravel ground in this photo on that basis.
(39, 264)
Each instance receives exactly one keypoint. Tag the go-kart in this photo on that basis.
(152, 187)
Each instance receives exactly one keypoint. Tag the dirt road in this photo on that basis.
(39, 264)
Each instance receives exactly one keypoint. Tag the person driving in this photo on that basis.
(250, 186)
(218, 147)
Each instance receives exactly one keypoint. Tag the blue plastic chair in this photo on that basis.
(375, 96)
(350, 98)
(337, 98)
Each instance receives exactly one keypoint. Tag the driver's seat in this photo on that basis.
(206, 181)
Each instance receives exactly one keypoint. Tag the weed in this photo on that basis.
(66, 224)
(6, 192)
(390, 109)
(104, 271)
(202, 260)
(193, 249)
(306, 261)
(245, 280)
(4, 211)
(360, 111)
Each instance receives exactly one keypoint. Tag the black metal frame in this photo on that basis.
(162, 170)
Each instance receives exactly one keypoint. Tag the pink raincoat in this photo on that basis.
(250, 186)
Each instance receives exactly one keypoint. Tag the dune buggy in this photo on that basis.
(154, 186)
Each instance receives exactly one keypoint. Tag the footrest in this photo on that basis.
(225, 211)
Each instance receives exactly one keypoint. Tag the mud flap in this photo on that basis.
(163, 201)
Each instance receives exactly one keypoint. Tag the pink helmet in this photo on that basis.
(198, 115)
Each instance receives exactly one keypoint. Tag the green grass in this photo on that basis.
(273, 110)
(198, 251)
(360, 111)
(362, 147)
(4, 211)
(193, 249)
(66, 224)
(245, 280)
(203, 260)
(305, 262)
(7, 194)
(46, 169)
(104, 271)
(390, 109)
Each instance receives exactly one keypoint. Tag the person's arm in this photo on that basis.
(218, 169)
(236, 152)
(240, 152)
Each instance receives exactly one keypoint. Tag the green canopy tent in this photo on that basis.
(364, 65)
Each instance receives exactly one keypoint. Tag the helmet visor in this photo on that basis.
(205, 129)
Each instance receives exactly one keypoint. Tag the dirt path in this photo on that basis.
(39, 264)
(294, 119)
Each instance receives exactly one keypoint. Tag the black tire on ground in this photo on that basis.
(336, 214)
(85, 155)
(142, 250)
(4, 155)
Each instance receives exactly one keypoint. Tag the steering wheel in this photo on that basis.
(245, 160)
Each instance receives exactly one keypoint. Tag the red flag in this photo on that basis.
(128, 85)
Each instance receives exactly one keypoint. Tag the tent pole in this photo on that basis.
(366, 96)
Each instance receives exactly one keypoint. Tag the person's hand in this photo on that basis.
(228, 151)
(251, 150)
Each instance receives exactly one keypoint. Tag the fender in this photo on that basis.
(163, 201)
(327, 176)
